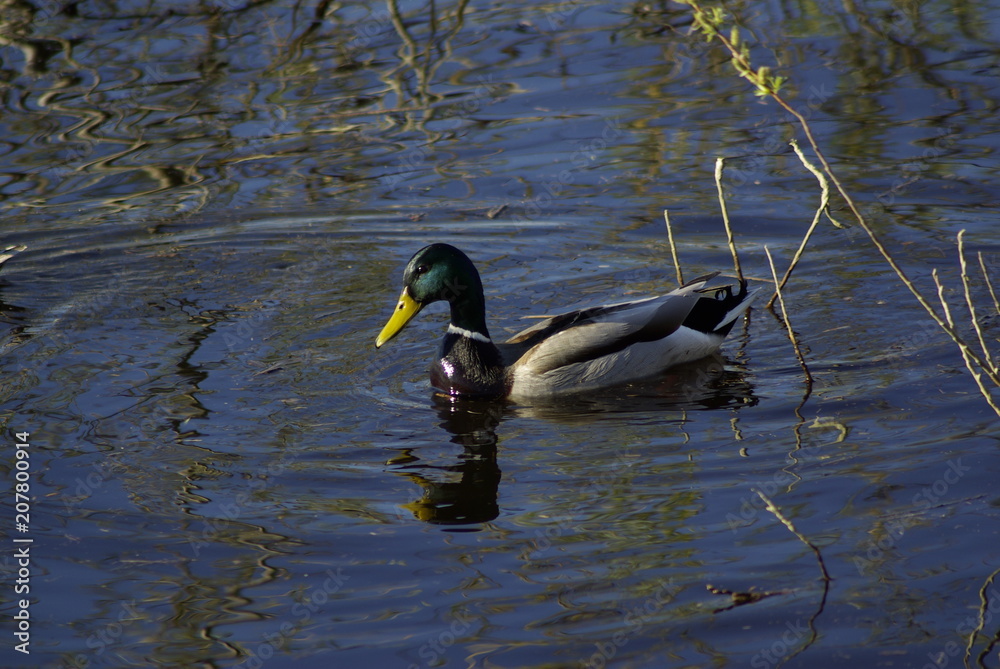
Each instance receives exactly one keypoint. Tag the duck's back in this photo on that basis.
(602, 346)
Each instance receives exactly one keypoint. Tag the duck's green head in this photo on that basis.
(439, 272)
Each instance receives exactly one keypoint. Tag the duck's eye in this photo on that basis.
(422, 269)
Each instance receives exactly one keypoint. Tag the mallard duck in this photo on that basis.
(573, 352)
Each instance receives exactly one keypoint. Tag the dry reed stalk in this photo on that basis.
(725, 218)
(673, 248)
(970, 303)
(788, 324)
(824, 206)
(989, 284)
(967, 354)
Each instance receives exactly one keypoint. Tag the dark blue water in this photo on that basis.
(217, 202)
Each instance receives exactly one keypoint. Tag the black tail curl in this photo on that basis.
(709, 312)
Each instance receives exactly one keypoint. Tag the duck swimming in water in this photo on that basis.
(574, 352)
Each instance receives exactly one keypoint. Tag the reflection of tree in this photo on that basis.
(178, 108)
(16, 27)
(411, 80)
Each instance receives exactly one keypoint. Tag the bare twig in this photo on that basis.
(989, 283)
(970, 303)
(824, 184)
(788, 323)
(967, 354)
(941, 298)
(725, 217)
(673, 248)
(824, 206)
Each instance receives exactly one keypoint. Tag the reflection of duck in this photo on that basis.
(473, 498)
(576, 351)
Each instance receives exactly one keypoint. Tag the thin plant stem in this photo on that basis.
(719, 162)
(824, 207)
(824, 184)
(989, 283)
(673, 248)
(941, 299)
(966, 353)
(788, 324)
(970, 303)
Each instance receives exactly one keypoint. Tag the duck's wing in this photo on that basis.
(587, 334)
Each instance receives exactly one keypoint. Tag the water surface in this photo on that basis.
(217, 201)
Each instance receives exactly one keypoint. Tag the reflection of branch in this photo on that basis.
(822, 567)
(423, 65)
(751, 596)
(983, 607)
(791, 528)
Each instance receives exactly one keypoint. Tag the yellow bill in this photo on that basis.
(405, 310)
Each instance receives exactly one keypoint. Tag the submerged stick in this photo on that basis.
(673, 248)
(788, 323)
(725, 218)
